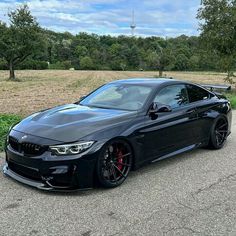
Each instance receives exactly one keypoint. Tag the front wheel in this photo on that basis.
(114, 163)
(219, 133)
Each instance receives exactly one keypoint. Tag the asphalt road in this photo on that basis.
(191, 194)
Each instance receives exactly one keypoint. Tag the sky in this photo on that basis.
(165, 18)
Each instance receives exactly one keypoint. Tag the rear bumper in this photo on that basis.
(63, 175)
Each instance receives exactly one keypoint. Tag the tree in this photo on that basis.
(21, 46)
(162, 54)
(194, 63)
(86, 63)
(151, 59)
(20, 39)
(182, 62)
(81, 51)
(218, 31)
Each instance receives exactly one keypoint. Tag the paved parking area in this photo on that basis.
(191, 194)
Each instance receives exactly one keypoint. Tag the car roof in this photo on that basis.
(147, 81)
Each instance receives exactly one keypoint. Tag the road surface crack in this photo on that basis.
(221, 180)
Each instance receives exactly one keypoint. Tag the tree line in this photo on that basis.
(25, 45)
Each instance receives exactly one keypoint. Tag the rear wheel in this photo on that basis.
(219, 133)
(114, 163)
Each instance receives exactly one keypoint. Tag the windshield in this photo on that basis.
(118, 96)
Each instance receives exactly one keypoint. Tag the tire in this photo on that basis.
(219, 133)
(114, 163)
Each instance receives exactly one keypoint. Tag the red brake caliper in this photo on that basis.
(120, 159)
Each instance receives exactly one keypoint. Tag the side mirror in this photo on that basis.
(164, 108)
(159, 108)
(154, 109)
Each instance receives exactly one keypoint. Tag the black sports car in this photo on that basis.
(118, 127)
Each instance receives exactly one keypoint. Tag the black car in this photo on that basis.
(116, 128)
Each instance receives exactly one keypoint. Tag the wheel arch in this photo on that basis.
(124, 139)
(220, 116)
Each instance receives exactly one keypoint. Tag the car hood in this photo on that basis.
(70, 123)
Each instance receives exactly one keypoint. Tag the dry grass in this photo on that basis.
(43, 89)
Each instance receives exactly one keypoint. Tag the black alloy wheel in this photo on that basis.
(219, 133)
(114, 163)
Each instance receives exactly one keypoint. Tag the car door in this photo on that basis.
(203, 101)
(170, 131)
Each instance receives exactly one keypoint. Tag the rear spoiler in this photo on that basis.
(212, 87)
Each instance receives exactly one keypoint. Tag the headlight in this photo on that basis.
(71, 149)
(7, 139)
(9, 130)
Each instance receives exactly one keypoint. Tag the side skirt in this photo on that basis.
(180, 151)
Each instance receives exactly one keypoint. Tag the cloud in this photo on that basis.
(161, 18)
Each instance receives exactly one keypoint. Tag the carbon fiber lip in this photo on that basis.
(39, 185)
(32, 183)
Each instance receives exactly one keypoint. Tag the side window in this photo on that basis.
(174, 96)
(196, 93)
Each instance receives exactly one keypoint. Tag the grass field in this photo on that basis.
(43, 89)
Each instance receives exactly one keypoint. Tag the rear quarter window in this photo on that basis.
(196, 93)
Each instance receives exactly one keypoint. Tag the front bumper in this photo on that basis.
(58, 175)
(39, 185)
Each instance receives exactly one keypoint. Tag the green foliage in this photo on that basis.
(232, 99)
(33, 65)
(233, 102)
(56, 66)
(194, 62)
(86, 63)
(64, 65)
(218, 34)
(81, 51)
(6, 121)
(182, 62)
(20, 39)
(90, 51)
(3, 64)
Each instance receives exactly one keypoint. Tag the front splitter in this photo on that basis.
(39, 185)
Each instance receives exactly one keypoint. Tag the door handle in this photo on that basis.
(191, 111)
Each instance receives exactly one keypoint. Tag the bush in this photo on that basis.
(64, 65)
(86, 63)
(233, 102)
(56, 66)
(33, 65)
(181, 63)
(6, 121)
(104, 67)
(232, 99)
(3, 64)
(67, 65)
